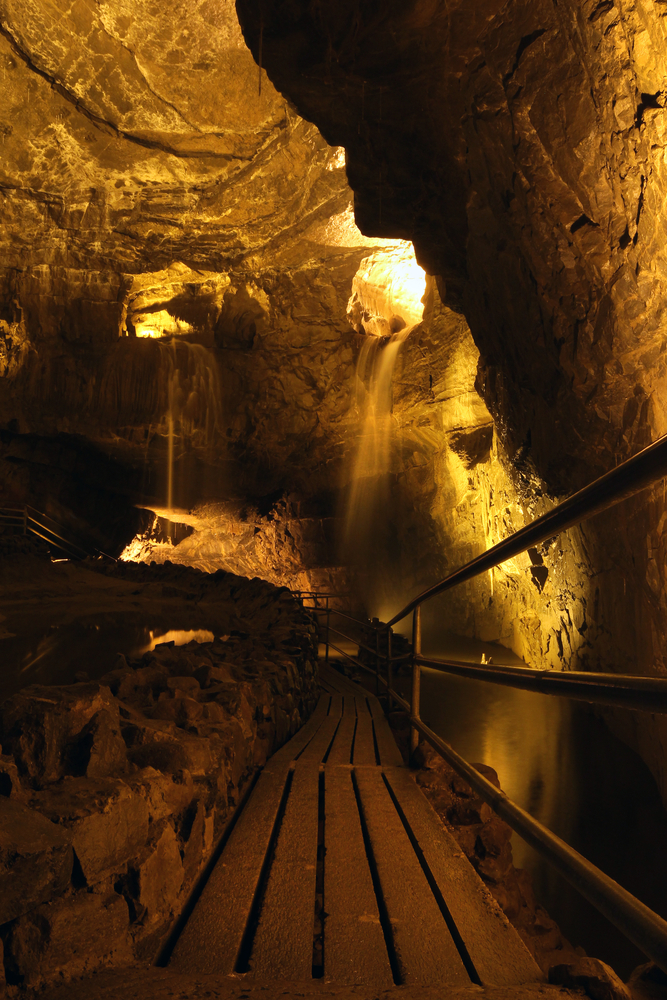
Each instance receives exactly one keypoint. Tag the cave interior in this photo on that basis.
(331, 298)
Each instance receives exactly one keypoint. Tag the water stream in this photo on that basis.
(193, 414)
(368, 493)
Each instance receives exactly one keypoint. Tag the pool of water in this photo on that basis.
(45, 653)
(560, 763)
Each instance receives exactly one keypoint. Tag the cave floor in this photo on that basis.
(156, 984)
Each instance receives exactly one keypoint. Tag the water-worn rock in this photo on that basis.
(107, 821)
(68, 938)
(35, 859)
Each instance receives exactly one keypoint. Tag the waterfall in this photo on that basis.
(368, 492)
(190, 385)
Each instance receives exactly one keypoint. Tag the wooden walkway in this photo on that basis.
(339, 868)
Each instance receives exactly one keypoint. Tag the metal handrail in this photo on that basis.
(643, 694)
(626, 480)
(640, 924)
(20, 516)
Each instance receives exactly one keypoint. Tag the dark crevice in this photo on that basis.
(165, 952)
(435, 889)
(331, 742)
(375, 739)
(354, 737)
(245, 951)
(525, 42)
(385, 922)
(303, 749)
(582, 221)
(318, 927)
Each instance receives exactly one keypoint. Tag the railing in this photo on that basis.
(639, 923)
(28, 520)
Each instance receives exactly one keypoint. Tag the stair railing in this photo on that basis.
(646, 929)
(28, 520)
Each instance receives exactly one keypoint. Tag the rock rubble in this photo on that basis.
(114, 792)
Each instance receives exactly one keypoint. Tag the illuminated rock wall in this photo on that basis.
(521, 147)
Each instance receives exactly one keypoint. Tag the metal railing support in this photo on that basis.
(633, 918)
(326, 653)
(376, 622)
(390, 672)
(416, 676)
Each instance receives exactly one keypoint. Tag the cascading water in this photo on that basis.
(368, 491)
(193, 414)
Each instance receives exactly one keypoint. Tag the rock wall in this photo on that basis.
(521, 147)
(114, 793)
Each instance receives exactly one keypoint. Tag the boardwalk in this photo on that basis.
(338, 868)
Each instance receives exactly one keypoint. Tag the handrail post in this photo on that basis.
(326, 654)
(390, 672)
(376, 622)
(25, 520)
(416, 677)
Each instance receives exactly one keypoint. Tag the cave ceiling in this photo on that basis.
(521, 145)
(134, 135)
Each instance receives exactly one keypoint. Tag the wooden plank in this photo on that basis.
(334, 679)
(495, 949)
(301, 739)
(354, 945)
(212, 937)
(321, 741)
(426, 953)
(389, 753)
(364, 745)
(283, 945)
(341, 751)
(342, 683)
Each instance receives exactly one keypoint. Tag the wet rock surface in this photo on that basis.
(114, 792)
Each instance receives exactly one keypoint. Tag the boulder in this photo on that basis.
(168, 757)
(107, 820)
(165, 794)
(99, 749)
(41, 726)
(10, 782)
(68, 938)
(158, 877)
(35, 859)
(594, 977)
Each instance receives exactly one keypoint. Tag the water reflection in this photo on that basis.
(81, 650)
(562, 764)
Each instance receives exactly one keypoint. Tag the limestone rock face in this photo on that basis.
(129, 137)
(68, 937)
(108, 821)
(56, 731)
(521, 147)
(35, 859)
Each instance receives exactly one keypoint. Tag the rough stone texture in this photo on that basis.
(35, 859)
(597, 979)
(51, 734)
(521, 147)
(195, 722)
(68, 938)
(108, 822)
